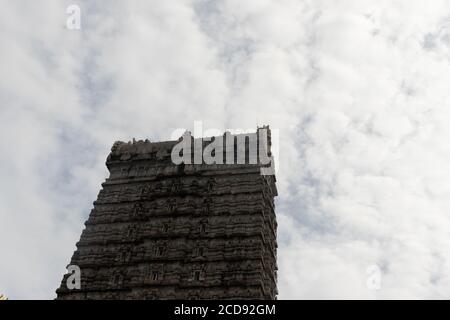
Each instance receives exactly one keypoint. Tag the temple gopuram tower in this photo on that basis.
(190, 230)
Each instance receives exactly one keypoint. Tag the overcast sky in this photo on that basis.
(358, 89)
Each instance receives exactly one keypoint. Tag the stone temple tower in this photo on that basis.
(190, 230)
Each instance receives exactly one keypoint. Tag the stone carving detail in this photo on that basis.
(177, 186)
(161, 231)
(117, 280)
(207, 204)
(171, 205)
(138, 211)
(210, 185)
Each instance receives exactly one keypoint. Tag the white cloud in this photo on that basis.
(359, 90)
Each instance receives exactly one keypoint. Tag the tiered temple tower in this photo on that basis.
(188, 231)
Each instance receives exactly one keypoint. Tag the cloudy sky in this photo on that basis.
(358, 89)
